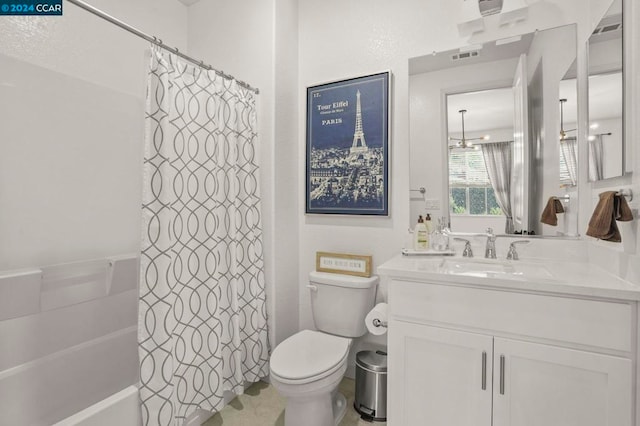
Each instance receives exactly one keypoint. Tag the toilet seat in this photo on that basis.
(308, 356)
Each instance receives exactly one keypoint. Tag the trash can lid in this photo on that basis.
(372, 360)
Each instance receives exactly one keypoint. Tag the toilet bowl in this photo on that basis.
(307, 369)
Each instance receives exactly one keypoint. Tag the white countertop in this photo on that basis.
(539, 275)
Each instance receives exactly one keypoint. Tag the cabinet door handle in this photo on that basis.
(484, 370)
(501, 374)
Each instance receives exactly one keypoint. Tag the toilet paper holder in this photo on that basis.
(379, 323)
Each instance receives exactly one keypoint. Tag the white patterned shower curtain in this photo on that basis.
(202, 312)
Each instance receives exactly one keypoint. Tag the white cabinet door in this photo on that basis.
(436, 376)
(540, 385)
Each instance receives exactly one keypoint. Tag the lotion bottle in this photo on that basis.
(429, 225)
(421, 236)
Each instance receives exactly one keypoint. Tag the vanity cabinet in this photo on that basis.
(550, 385)
(436, 376)
(469, 356)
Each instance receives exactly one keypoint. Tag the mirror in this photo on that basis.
(510, 90)
(606, 139)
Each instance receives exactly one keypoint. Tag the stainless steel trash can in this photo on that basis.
(371, 385)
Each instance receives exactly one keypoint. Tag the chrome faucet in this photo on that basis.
(467, 252)
(490, 249)
(513, 253)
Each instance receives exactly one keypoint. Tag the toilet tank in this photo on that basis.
(339, 303)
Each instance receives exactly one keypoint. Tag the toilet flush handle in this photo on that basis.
(312, 287)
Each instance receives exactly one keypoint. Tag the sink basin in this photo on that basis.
(489, 268)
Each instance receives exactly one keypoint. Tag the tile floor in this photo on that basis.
(262, 406)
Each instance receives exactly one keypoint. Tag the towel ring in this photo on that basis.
(626, 193)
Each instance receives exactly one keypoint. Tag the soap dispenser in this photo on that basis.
(429, 225)
(421, 236)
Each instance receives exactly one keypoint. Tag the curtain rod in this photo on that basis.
(158, 42)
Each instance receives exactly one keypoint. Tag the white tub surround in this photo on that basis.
(496, 342)
(68, 338)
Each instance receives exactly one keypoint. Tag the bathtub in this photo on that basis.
(120, 409)
(68, 341)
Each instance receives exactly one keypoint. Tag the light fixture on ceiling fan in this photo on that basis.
(563, 132)
(464, 143)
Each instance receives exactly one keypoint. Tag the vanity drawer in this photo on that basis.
(594, 323)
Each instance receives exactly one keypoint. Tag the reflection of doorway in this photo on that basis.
(488, 119)
(520, 173)
(536, 139)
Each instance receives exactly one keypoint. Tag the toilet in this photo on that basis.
(307, 367)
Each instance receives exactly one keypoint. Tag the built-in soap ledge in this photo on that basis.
(30, 291)
(71, 283)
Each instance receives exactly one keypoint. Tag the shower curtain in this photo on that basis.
(202, 315)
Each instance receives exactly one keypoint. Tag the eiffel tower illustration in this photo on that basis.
(359, 145)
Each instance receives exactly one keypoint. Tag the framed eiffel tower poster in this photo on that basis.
(348, 146)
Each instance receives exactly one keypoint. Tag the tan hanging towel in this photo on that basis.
(610, 208)
(549, 214)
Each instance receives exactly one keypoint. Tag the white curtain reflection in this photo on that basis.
(569, 159)
(596, 159)
(499, 162)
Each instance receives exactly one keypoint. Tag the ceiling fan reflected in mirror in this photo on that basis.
(563, 132)
(464, 142)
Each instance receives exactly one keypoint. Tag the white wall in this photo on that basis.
(72, 129)
(347, 39)
(256, 41)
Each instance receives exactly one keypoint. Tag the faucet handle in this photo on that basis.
(490, 235)
(513, 253)
(467, 252)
